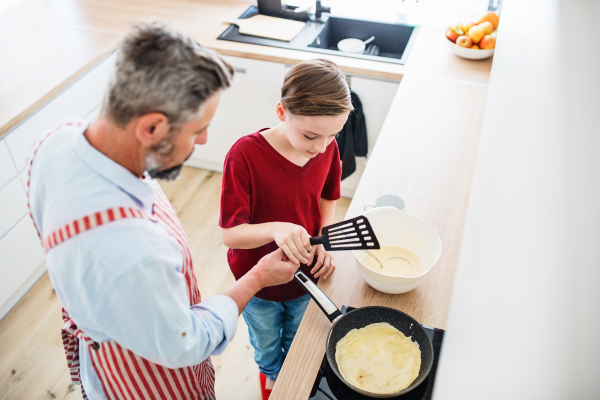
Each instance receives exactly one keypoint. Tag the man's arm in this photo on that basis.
(271, 270)
(137, 296)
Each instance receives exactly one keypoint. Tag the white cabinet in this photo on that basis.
(13, 205)
(7, 167)
(376, 97)
(250, 105)
(21, 255)
(77, 100)
(247, 106)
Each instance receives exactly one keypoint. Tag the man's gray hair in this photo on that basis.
(161, 70)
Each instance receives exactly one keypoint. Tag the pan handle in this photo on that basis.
(318, 296)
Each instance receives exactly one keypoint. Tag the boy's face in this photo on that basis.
(311, 134)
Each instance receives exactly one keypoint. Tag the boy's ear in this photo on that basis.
(280, 109)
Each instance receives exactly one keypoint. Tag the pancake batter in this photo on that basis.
(378, 358)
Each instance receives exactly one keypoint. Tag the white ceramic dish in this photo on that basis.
(352, 46)
(471, 54)
(395, 228)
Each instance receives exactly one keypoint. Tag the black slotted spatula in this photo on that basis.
(352, 234)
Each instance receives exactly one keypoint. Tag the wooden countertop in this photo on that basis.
(92, 29)
(38, 61)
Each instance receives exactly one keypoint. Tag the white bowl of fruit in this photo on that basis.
(474, 40)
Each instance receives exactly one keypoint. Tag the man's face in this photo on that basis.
(165, 159)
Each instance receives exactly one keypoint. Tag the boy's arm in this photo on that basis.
(327, 212)
(292, 239)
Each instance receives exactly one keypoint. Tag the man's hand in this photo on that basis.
(272, 270)
(325, 265)
(293, 240)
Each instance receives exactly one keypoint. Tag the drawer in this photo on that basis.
(20, 255)
(77, 100)
(7, 167)
(13, 205)
(23, 178)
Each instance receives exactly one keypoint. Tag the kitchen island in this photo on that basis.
(425, 153)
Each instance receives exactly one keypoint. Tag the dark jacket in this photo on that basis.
(352, 140)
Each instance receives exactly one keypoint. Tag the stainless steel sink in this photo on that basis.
(393, 40)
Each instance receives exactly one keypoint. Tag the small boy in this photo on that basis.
(280, 186)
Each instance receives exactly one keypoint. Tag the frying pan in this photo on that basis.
(361, 317)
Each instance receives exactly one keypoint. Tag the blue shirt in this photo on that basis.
(120, 281)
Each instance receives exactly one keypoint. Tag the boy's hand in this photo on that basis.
(272, 270)
(325, 265)
(294, 241)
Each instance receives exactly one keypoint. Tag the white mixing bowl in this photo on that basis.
(395, 228)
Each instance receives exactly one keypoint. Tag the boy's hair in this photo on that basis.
(161, 70)
(316, 87)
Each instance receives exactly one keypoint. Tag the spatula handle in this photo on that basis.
(317, 240)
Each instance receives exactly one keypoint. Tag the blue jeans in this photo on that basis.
(272, 327)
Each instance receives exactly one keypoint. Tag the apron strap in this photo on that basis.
(70, 338)
(91, 221)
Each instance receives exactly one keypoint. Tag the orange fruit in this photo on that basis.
(487, 42)
(475, 47)
(490, 16)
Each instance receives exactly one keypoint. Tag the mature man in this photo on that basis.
(135, 327)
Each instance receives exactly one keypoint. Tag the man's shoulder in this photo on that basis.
(56, 135)
(54, 148)
(64, 187)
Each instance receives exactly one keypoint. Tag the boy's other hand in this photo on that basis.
(325, 265)
(294, 241)
(273, 270)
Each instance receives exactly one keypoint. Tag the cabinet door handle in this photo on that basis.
(239, 70)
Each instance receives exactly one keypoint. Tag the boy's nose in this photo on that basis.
(321, 147)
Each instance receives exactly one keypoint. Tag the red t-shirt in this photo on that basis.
(260, 185)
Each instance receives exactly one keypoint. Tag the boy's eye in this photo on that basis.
(310, 138)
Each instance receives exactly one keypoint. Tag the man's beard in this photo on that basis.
(156, 156)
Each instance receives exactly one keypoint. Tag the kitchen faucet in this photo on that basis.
(319, 9)
(274, 8)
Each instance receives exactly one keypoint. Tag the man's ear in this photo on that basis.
(152, 128)
(280, 109)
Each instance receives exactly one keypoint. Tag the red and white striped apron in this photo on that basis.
(125, 375)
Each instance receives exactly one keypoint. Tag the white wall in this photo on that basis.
(525, 315)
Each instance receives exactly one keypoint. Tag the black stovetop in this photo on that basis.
(328, 386)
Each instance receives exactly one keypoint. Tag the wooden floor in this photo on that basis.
(32, 363)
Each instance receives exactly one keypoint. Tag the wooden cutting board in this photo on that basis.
(268, 27)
